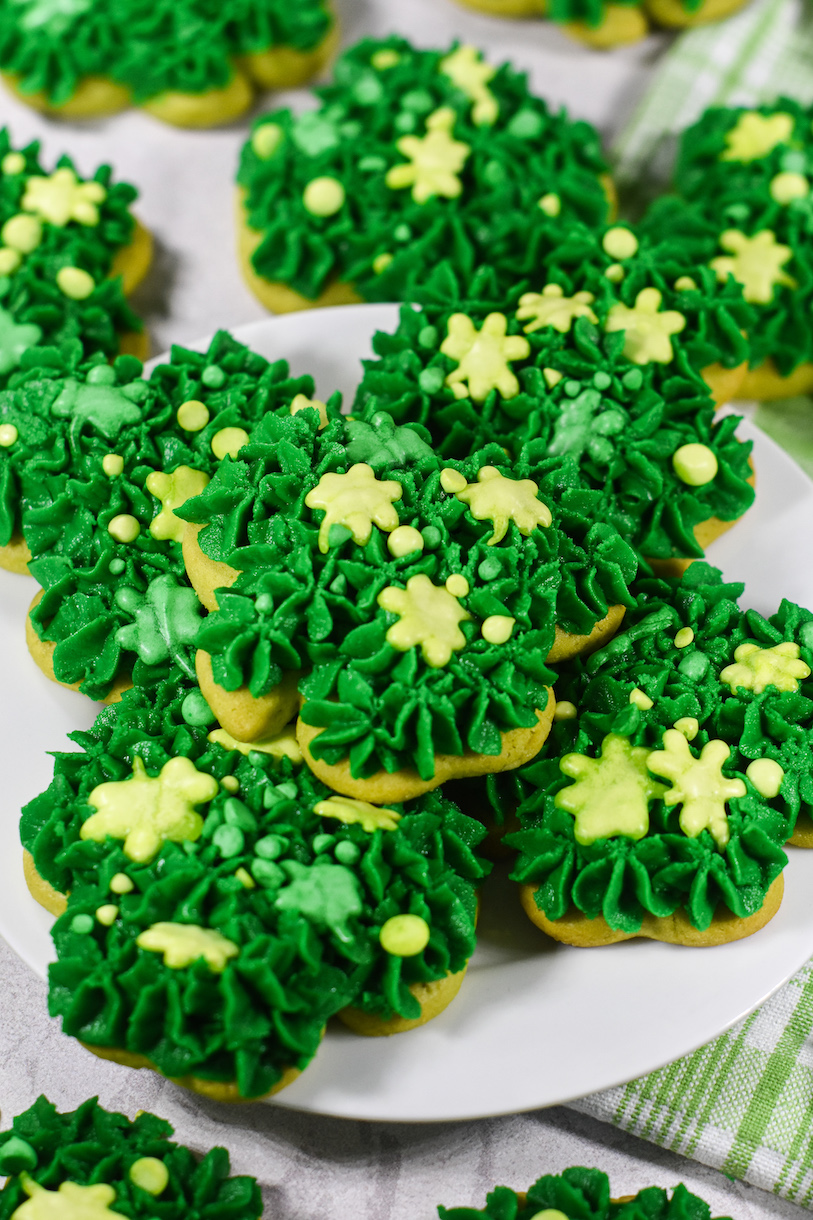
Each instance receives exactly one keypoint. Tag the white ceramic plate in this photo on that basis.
(536, 1023)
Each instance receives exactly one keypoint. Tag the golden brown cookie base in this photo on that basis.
(519, 746)
(276, 68)
(14, 556)
(42, 891)
(672, 13)
(205, 574)
(576, 929)
(724, 383)
(566, 645)
(133, 261)
(620, 26)
(215, 1090)
(42, 652)
(803, 833)
(508, 8)
(433, 997)
(767, 382)
(247, 718)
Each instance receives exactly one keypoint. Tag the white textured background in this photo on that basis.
(318, 1168)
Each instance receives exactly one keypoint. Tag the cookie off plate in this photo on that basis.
(536, 1023)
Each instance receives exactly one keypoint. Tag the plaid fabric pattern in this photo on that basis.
(744, 1103)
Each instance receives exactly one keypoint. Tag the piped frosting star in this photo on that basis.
(502, 500)
(552, 308)
(356, 500)
(184, 943)
(611, 794)
(428, 615)
(698, 784)
(648, 328)
(147, 811)
(482, 356)
(756, 668)
(467, 70)
(755, 135)
(435, 160)
(756, 263)
(61, 197)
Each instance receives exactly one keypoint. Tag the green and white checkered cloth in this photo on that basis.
(744, 1103)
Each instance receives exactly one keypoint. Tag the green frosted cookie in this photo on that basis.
(678, 765)
(91, 1162)
(411, 156)
(99, 461)
(595, 377)
(223, 903)
(417, 599)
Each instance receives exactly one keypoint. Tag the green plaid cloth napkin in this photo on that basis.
(744, 1103)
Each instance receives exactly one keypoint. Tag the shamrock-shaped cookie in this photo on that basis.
(194, 63)
(411, 605)
(410, 155)
(744, 208)
(99, 461)
(223, 903)
(99, 1165)
(595, 375)
(674, 774)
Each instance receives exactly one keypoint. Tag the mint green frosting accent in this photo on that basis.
(92, 1146)
(306, 931)
(621, 878)
(107, 408)
(196, 711)
(14, 340)
(166, 621)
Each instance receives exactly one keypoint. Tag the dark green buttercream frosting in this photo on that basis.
(721, 188)
(605, 432)
(302, 896)
(298, 608)
(91, 1146)
(621, 877)
(583, 1194)
(33, 307)
(517, 157)
(112, 606)
(182, 45)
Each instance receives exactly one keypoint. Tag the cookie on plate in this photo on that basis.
(597, 378)
(675, 774)
(100, 459)
(94, 1162)
(406, 607)
(217, 904)
(745, 209)
(192, 63)
(410, 157)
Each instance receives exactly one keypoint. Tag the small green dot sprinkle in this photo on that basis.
(150, 1174)
(323, 197)
(431, 380)
(602, 381)
(75, 283)
(101, 374)
(432, 537)
(490, 568)
(120, 883)
(196, 711)
(404, 935)
(402, 233)
(572, 388)
(264, 603)
(526, 124)
(229, 841)
(405, 121)
(372, 165)
(213, 377)
(271, 847)
(323, 843)
(236, 813)
(428, 337)
(82, 924)
(420, 101)
(267, 874)
(347, 852)
(17, 1155)
(694, 666)
(633, 380)
(266, 140)
(116, 566)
